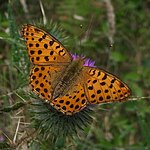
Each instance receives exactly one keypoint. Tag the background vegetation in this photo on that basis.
(113, 33)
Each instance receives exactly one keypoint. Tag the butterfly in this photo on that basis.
(68, 82)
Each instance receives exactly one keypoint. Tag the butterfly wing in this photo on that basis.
(103, 87)
(72, 102)
(50, 58)
(43, 48)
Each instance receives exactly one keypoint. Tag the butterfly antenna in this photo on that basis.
(81, 26)
(84, 35)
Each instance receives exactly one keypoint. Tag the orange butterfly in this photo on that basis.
(67, 81)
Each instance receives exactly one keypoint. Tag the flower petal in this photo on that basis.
(87, 62)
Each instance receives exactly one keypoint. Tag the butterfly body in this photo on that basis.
(68, 78)
(69, 84)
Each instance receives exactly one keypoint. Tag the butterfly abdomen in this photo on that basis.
(68, 78)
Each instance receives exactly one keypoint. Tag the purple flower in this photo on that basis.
(87, 61)
(1, 138)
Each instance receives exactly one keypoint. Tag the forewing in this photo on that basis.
(103, 87)
(42, 47)
(72, 102)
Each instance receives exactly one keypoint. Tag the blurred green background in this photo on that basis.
(115, 34)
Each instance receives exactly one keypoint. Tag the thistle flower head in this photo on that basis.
(52, 123)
